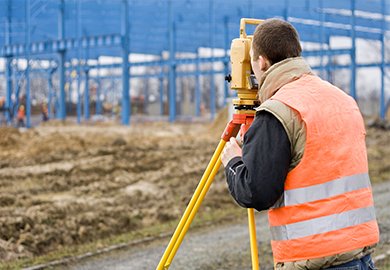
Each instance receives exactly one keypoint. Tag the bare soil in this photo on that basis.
(64, 185)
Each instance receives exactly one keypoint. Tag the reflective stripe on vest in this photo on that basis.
(323, 224)
(326, 190)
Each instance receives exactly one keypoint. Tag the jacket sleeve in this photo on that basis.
(257, 179)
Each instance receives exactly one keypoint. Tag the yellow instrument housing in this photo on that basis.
(241, 66)
(241, 63)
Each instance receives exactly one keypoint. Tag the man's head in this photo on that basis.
(273, 41)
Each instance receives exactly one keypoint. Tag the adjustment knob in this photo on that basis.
(228, 78)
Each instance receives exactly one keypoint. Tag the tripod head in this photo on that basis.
(242, 78)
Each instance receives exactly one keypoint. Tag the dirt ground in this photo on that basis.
(63, 185)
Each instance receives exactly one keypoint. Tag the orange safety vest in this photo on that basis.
(21, 114)
(327, 206)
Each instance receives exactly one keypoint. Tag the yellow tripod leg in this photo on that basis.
(253, 241)
(189, 213)
(195, 209)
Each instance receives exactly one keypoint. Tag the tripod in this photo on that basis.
(240, 122)
(242, 80)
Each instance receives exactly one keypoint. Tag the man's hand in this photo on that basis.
(231, 150)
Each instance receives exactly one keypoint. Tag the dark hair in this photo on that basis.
(276, 40)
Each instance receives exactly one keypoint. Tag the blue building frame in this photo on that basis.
(70, 29)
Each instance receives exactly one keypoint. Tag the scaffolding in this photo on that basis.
(62, 41)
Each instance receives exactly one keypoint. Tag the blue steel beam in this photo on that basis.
(126, 106)
(322, 38)
(308, 31)
(8, 69)
(226, 61)
(368, 6)
(212, 45)
(178, 61)
(52, 46)
(352, 86)
(179, 74)
(61, 62)
(372, 65)
(382, 106)
(330, 52)
(172, 65)
(330, 17)
(78, 30)
(28, 89)
(8, 77)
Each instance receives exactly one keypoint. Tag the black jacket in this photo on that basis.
(257, 179)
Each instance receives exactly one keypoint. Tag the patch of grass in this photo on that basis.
(202, 219)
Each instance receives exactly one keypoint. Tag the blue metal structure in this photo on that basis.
(65, 32)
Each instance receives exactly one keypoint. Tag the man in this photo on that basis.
(21, 116)
(304, 158)
(45, 112)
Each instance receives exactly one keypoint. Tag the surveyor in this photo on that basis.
(304, 160)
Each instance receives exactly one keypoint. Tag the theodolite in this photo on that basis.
(244, 82)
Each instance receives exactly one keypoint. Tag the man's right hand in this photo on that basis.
(231, 150)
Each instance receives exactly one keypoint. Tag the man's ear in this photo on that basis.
(264, 63)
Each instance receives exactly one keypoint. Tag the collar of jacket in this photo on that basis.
(280, 74)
